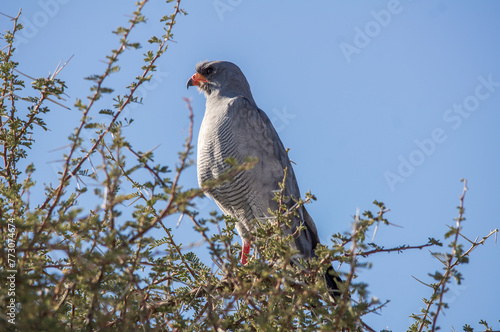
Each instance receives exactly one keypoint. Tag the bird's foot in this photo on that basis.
(245, 252)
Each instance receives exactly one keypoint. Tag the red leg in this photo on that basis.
(245, 251)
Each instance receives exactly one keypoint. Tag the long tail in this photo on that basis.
(332, 281)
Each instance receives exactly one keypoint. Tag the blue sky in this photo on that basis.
(388, 100)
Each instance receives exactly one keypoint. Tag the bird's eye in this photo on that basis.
(209, 71)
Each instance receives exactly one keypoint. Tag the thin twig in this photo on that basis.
(449, 263)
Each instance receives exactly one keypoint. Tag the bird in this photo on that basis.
(234, 126)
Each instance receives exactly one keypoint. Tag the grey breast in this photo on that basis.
(219, 140)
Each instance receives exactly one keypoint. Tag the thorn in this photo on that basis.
(54, 75)
(423, 283)
(55, 102)
(64, 65)
(132, 203)
(149, 151)
(356, 216)
(395, 225)
(56, 161)
(62, 147)
(93, 169)
(11, 18)
(25, 75)
(471, 242)
(375, 231)
(8, 94)
(78, 178)
(179, 221)
(436, 255)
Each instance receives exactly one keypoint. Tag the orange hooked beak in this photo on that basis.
(195, 80)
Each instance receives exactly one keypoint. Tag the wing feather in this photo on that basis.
(257, 137)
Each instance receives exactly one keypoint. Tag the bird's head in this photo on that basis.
(222, 77)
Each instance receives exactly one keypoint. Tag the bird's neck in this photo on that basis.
(217, 98)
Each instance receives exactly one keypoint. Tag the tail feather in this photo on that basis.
(332, 281)
(307, 243)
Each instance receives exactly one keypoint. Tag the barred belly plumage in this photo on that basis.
(234, 197)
